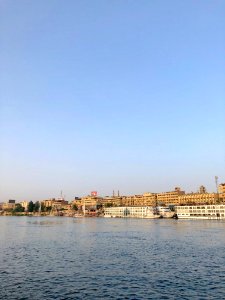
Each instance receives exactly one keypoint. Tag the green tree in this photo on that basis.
(8, 209)
(74, 207)
(36, 206)
(49, 208)
(18, 208)
(43, 207)
(30, 207)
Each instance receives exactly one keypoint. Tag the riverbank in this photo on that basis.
(42, 214)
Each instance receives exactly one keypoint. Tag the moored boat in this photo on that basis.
(144, 212)
(205, 212)
(165, 212)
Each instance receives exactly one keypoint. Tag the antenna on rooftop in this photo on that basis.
(216, 181)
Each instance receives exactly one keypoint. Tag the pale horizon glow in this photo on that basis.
(111, 95)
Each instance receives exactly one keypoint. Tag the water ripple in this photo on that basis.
(61, 258)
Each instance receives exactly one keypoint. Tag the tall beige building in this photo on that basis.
(147, 199)
(55, 203)
(170, 198)
(198, 198)
(112, 200)
(221, 189)
(91, 202)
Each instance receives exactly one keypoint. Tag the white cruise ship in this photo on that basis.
(207, 212)
(145, 212)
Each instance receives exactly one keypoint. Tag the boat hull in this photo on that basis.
(141, 212)
(201, 217)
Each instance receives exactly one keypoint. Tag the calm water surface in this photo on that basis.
(96, 258)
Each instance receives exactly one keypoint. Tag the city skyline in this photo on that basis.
(111, 95)
(219, 188)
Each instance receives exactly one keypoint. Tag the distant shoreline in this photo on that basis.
(38, 215)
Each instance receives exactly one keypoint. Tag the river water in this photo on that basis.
(97, 258)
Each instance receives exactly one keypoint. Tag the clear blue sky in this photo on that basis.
(102, 95)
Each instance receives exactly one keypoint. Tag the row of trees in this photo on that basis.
(35, 207)
(18, 208)
(32, 207)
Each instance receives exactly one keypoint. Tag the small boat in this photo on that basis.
(165, 212)
(151, 213)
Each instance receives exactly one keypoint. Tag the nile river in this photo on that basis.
(97, 258)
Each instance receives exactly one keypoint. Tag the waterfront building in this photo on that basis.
(170, 198)
(9, 205)
(201, 212)
(221, 190)
(147, 199)
(91, 201)
(24, 204)
(55, 204)
(112, 201)
(90, 204)
(198, 198)
(134, 200)
(48, 202)
(78, 202)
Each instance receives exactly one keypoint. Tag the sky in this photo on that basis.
(111, 95)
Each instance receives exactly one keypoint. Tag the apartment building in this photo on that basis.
(55, 203)
(91, 202)
(112, 200)
(170, 198)
(198, 198)
(221, 189)
(9, 205)
(147, 199)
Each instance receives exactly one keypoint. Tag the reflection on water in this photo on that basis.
(67, 258)
(44, 223)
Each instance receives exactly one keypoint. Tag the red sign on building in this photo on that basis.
(94, 193)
